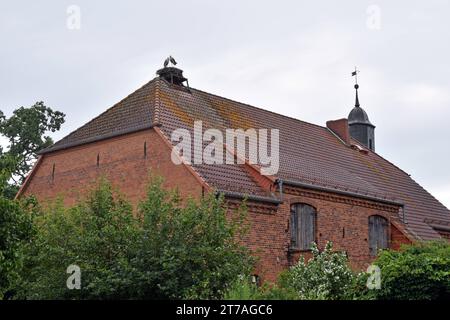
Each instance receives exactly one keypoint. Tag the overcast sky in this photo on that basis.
(291, 57)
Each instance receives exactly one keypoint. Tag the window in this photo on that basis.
(303, 222)
(378, 234)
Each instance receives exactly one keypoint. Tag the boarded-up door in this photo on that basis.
(378, 234)
(303, 220)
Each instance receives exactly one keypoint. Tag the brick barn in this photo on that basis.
(331, 184)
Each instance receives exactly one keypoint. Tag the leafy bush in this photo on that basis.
(97, 235)
(243, 289)
(325, 276)
(15, 230)
(416, 272)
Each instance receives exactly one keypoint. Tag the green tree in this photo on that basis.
(97, 235)
(26, 132)
(188, 251)
(8, 164)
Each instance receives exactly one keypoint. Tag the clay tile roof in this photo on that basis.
(132, 113)
(309, 153)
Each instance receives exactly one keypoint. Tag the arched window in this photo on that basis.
(303, 226)
(378, 234)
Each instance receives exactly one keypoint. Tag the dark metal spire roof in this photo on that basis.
(358, 115)
(356, 99)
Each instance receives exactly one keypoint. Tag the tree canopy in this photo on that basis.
(26, 132)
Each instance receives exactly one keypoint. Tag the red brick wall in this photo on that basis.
(268, 238)
(398, 238)
(121, 160)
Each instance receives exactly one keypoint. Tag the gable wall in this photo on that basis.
(121, 161)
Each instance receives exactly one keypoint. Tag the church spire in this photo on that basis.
(355, 74)
(356, 98)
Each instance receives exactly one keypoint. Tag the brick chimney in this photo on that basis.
(340, 128)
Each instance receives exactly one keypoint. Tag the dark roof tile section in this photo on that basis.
(308, 153)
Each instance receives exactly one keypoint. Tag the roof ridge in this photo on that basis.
(157, 101)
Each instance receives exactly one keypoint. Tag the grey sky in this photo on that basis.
(291, 57)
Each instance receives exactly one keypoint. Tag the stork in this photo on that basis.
(171, 60)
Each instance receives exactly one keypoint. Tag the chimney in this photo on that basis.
(340, 128)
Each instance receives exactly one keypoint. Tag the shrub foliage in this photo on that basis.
(325, 276)
(15, 230)
(416, 272)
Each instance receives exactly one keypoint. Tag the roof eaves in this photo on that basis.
(242, 196)
(342, 192)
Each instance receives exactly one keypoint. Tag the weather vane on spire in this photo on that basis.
(171, 60)
(355, 74)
